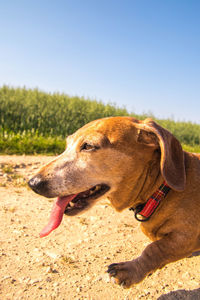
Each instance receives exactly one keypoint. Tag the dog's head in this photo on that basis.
(110, 157)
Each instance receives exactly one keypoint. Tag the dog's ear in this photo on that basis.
(172, 156)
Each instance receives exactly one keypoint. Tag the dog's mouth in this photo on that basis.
(83, 199)
(72, 205)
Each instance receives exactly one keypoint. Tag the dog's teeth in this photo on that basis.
(94, 189)
(71, 204)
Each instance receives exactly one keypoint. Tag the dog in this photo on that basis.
(136, 165)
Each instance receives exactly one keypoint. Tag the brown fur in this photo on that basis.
(134, 158)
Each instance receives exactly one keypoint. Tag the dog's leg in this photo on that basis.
(155, 256)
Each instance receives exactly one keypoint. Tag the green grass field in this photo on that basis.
(32, 121)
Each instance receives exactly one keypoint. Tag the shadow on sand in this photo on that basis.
(197, 253)
(182, 295)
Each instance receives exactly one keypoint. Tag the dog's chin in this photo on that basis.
(84, 200)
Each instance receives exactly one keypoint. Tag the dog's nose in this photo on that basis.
(37, 183)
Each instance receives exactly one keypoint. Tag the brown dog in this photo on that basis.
(127, 161)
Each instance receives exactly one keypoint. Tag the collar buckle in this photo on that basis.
(137, 211)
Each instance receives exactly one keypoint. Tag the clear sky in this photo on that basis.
(141, 54)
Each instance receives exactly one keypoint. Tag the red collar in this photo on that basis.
(144, 211)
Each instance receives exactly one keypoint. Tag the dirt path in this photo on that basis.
(70, 263)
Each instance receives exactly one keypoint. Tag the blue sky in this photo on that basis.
(142, 54)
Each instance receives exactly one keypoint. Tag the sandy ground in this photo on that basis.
(70, 263)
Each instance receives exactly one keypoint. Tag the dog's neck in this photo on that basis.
(138, 191)
(152, 182)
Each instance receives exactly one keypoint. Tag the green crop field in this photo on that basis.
(32, 121)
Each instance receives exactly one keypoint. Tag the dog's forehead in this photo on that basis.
(89, 130)
(111, 127)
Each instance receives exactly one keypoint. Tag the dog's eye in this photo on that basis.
(88, 147)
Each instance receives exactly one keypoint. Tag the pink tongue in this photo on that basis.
(56, 214)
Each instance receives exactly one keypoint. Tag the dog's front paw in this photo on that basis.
(125, 273)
